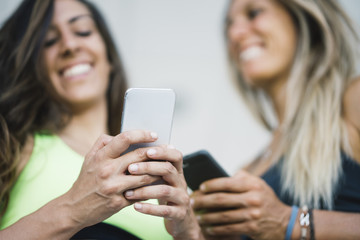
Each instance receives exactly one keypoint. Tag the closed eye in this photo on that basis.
(253, 13)
(84, 34)
(50, 42)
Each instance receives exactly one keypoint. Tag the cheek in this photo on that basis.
(48, 59)
(280, 39)
(264, 24)
(103, 69)
(285, 35)
(286, 46)
(106, 67)
(104, 73)
(101, 53)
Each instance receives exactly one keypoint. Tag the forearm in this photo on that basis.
(332, 225)
(52, 221)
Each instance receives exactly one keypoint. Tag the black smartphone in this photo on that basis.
(199, 167)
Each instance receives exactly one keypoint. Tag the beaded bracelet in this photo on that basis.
(304, 222)
(312, 230)
(290, 226)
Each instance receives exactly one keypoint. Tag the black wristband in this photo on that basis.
(312, 230)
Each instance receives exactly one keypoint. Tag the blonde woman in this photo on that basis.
(298, 56)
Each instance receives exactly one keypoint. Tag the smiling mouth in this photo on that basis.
(250, 53)
(77, 70)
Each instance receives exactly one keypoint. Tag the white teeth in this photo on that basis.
(77, 70)
(250, 53)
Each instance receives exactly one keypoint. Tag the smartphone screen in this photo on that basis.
(199, 167)
(149, 109)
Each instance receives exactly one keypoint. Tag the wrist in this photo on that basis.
(191, 229)
(61, 216)
(297, 229)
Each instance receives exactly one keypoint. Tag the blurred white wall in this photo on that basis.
(179, 44)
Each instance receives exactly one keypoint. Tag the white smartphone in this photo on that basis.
(149, 109)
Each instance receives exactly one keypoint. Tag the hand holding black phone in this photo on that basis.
(199, 167)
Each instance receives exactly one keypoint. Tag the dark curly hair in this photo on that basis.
(28, 102)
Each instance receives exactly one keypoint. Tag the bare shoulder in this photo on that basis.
(351, 106)
(26, 153)
(352, 103)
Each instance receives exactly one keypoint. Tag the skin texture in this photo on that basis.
(244, 204)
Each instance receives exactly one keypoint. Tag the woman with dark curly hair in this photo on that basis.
(61, 87)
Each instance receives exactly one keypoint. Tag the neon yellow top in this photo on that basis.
(52, 169)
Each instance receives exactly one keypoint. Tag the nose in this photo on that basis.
(69, 44)
(238, 29)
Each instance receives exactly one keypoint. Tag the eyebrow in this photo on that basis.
(74, 19)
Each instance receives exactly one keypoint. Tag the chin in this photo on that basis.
(256, 77)
(255, 80)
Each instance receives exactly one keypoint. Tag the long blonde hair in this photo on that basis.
(313, 131)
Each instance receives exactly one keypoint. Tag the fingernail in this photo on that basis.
(170, 147)
(133, 167)
(154, 135)
(198, 217)
(138, 206)
(202, 187)
(129, 193)
(151, 152)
